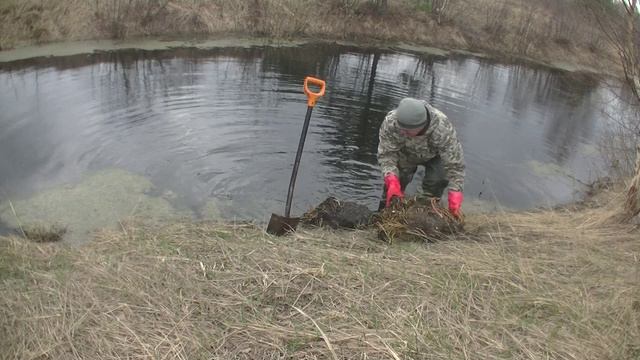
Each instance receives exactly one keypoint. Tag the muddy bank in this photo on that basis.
(70, 48)
(40, 53)
(566, 38)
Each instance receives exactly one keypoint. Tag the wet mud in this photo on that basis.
(412, 220)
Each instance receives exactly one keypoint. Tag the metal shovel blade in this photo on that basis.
(280, 225)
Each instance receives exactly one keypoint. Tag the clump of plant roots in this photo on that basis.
(415, 220)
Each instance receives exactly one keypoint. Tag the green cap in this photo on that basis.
(411, 113)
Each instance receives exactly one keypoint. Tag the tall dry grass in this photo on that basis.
(632, 204)
(34, 21)
(561, 284)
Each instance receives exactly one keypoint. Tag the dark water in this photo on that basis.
(223, 124)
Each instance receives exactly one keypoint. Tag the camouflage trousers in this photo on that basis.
(433, 184)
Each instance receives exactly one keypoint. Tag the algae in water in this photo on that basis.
(98, 201)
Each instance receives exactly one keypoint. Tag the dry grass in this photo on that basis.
(417, 220)
(632, 204)
(560, 284)
(558, 30)
(543, 29)
(34, 21)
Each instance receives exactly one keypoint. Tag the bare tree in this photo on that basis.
(628, 47)
(619, 21)
(439, 9)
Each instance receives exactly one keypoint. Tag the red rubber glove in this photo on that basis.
(455, 202)
(392, 183)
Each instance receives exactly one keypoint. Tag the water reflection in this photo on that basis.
(223, 124)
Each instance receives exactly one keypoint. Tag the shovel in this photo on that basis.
(280, 225)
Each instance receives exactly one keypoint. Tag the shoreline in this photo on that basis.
(81, 47)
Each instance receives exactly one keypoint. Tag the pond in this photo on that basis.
(210, 132)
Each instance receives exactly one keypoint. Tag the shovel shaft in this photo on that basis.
(296, 164)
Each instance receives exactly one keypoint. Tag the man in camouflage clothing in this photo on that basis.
(415, 134)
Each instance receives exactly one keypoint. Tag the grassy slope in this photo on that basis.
(535, 29)
(560, 284)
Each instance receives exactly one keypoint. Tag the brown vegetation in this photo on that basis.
(417, 220)
(542, 29)
(619, 22)
(560, 284)
(632, 205)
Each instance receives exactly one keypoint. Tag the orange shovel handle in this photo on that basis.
(312, 97)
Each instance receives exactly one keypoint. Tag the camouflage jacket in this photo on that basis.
(440, 138)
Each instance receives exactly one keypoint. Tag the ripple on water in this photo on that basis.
(221, 127)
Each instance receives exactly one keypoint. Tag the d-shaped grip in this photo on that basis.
(312, 97)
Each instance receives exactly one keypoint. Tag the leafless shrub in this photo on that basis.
(620, 24)
(619, 142)
(437, 8)
(632, 205)
(117, 17)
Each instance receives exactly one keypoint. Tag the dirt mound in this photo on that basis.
(339, 214)
(409, 221)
